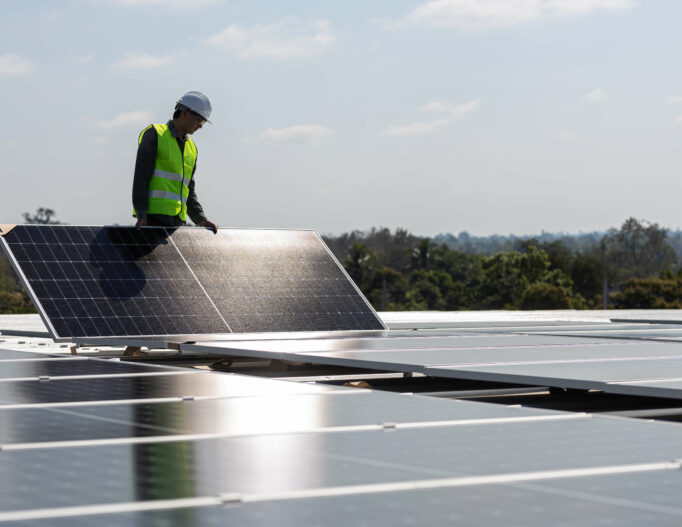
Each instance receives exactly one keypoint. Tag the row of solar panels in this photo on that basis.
(119, 281)
(87, 441)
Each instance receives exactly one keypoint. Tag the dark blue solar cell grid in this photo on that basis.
(112, 281)
(118, 281)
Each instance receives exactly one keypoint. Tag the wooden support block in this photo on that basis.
(131, 351)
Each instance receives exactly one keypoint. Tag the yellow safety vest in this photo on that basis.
(169, 186)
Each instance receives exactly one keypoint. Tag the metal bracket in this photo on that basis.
(231, 499)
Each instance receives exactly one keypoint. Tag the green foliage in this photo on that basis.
(638, 249)
(650, 293)
(399, 271)
(14, 303)
(542, 295)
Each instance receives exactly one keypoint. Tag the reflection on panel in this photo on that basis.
(274, 281)
(287, 413)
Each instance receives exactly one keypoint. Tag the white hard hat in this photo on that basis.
(197, 102)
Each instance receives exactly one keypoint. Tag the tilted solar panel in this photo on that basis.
(118, 281)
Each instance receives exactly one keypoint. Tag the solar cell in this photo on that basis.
(119, 281)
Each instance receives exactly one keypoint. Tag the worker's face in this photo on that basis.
(193, 121)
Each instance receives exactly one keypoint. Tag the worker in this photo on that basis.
(163, 186)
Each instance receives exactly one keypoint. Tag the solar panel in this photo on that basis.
(634, 499)
(614, 365)
(118, 281)
(282, 280)
(265, 464)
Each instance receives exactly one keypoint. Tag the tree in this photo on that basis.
(360, 263)
(587, 275)
(541, 295)
(42, 216)
(638, 249)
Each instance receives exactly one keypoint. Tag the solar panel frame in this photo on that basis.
(80, 310)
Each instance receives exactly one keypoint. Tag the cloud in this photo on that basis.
(182, 4)
(448, 113)
(673, 99)
(290, 38)
(15, 65)
(84, 59)
(480, 14)
(566, 136)
(141, 61)
(678, 120)
(419, 128)
(301, 132)
(595, 95)
(128, 119)
(452, 110)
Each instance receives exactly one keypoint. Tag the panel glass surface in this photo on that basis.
(38, 425)
(417, 342)
(17, 354)
(287, 413)
(286, 462)
(68, 366)
(602, 371)
(158, 386)
(274, 281)
(118, 281)
(633, 499)
(512, 356)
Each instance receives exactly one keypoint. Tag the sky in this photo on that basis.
(485, 116)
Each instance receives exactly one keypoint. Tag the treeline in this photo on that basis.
(636, 264)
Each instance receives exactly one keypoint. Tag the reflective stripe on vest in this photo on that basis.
(167, 175)
(169, 185)
(167, 195)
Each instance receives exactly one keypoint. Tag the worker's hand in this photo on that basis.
(209, 225)
(141, 223)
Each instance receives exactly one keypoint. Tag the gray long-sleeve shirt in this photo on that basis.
(144, 169)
